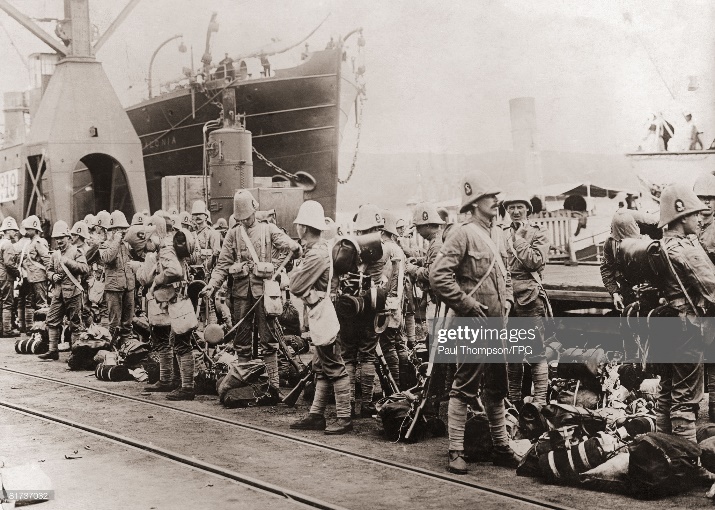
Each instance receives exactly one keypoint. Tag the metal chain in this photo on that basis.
(275, 167)
(357, 145)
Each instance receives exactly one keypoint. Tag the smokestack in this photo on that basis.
(524, 139)
(14, 109)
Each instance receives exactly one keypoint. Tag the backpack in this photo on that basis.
(562, 415)
(246, 384)
(662, 465)
(394, 412)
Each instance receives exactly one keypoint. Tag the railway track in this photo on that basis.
(506, 495)
(242, 479)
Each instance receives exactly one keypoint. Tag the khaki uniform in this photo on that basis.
(8, 274)
(33, 293)
(247, 288)
(463, 261)
(66, 296)
(208, 239)
(119, 284)
(460, 264)
(681, 387)
(527, 251)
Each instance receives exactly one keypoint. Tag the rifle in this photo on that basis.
(292, 397)
(383, 372)
(277, 332)
(418, 405)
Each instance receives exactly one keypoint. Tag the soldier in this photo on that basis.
(79, 234)
(162, 270)
(139, 220)
(33, 258)
(704, 188)
(470, 277)
(221, 228)
(358, 337)
(528, 251)
(623, 226)
(102, 224)
(429, 226)
(66, 268)
(208, 240)
(8, 273)
(246, 255)
(119, 279)
(91, 222)
(689, 287)
(311, 282)
(393, 276)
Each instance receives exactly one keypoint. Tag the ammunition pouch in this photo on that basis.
(263, 270)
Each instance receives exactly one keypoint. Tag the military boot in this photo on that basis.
(339, 426)
(367, 410)
(456, 463)
(160, 387)
(53, 353)
(50, 356)
(312, 421)
(504, 456)
(181, 394)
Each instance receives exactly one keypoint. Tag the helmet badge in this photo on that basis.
(679, 206)
(467, 189)
(425, 216)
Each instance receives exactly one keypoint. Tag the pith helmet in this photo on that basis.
(103, 218)
(311, 214)
(390, 225)
(31, 222)
(199, 207)
(244, 205)
(9, 223)
(60, 229)
(185, 218)
(678, 201)
(368, 216)
(518, 197)
(139, 219)
(90, 220)
(221, 224)
(118, 220)
(426, 214)
(80, 229)
(476, 185)
(705, 185)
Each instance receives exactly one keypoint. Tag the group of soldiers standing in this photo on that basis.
(480, 268)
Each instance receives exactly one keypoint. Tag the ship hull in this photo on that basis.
(296, 118)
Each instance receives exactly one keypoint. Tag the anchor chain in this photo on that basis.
(357, 145)
(275, 167)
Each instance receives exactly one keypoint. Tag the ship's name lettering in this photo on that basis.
(159, 143)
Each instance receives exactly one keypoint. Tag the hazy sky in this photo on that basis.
(440, 74)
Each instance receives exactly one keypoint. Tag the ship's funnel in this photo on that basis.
(525, 142)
